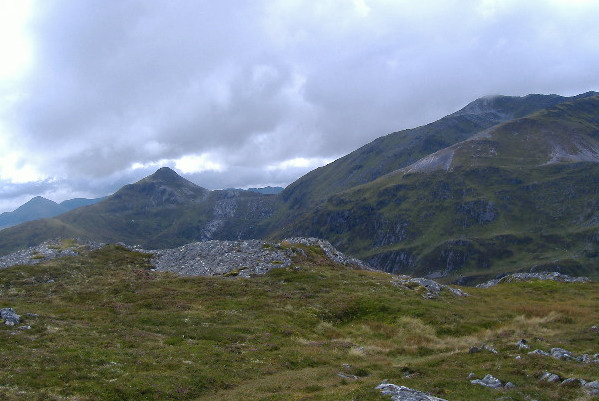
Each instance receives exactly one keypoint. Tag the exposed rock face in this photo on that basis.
(402, 393)
(555, 276)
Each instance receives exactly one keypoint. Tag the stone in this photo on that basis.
(572, 382)
(9, 316)
(592, 387)
(522, 344)
(560, 353)
(488, 381)
(240, 258)
(539, 352)
(509, 385)
(515, 277)
(550, 377)
(402, 393)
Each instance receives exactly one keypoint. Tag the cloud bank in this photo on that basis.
(238, 94)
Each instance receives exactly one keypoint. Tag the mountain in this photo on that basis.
(160, 211)
(75, 203)
(506, 184)
(400, 149)
(520, 195)
(36, 208)
(267, 190)
(39, 208)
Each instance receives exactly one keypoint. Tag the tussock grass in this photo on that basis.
(106, 327)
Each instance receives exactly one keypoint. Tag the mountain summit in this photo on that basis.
(164, 188)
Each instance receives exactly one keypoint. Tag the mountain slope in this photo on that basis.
(519, 195)
(522, 195)
(162, 210)
(36, 208)
(39, 208)
(565, 133)
(400, 149)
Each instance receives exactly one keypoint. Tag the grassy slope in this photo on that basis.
(400, 149)
(108, 328)
(499, 209)
(535, 216)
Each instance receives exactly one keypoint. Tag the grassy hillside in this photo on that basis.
(106, 327)
(161, 211)
(400, 149)
(468, 224)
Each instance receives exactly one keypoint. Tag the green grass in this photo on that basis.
(109, 328)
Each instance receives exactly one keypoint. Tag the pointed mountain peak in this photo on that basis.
(164, 188)
(165, 174)
(40, 199)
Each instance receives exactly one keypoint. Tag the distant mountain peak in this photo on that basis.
(164, 188)
(165, 174)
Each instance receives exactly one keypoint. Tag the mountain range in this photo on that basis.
(505, 184)
(39, 208)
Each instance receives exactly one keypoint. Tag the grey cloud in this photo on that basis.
(120, 82)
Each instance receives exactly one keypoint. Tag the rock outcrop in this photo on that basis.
(555, 276)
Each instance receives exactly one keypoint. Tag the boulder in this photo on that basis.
(550, 377)
(9, 316)
(488, 381)
(592, 387)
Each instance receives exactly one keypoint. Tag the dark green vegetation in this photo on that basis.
(505, 184)
(470, 224)
(106, 327)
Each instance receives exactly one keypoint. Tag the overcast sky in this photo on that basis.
(95, 94)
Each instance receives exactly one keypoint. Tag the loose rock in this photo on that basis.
(402, 393)
(555, 276)
(9, 316)
(550, 377)
(488, 381)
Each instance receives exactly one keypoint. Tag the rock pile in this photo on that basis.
(47, 250)
(240, 258)
(555, 276)
(212, 258)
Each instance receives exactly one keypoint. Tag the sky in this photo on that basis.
(96, 94)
